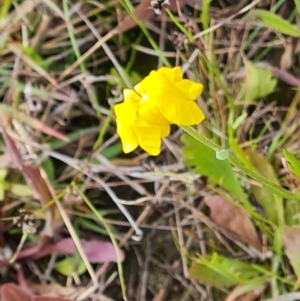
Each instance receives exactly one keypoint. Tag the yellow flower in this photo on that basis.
(161, 99)
(134, 131)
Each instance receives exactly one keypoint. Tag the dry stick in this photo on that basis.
(286, 297)
(87, 54)
(146, 212)
(77, 243)
(181, 244)
(17, 15)
(218, 25)
(137, 187)
(111, 235)
(138, 232)
(21, 243)
(145, 273)
(14, 48)
(162, 38)
(66, 219)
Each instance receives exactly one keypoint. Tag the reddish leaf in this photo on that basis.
(38, 184)
(12, 292)
(33, 251)
(101, 251)
(35, 123)
(232, 219)
(97, 251)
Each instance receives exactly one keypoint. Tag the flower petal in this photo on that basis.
(149, 137)
(126, 118)
(150, 112)
(158, 85)
(181, 112)
(128, 139)
(173, 74)
(191, 89)
(165, 130)
(132, 97)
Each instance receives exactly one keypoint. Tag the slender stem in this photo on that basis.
(276, 189)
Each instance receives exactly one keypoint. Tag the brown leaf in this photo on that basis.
(232, 219)
(143, 12)
(291, 239)
(12, 292)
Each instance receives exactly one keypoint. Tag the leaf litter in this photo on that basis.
(233, 219)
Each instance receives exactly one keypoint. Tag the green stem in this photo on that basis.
(276, 189)
(111, 235)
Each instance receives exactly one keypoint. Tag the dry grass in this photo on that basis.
(63, 65)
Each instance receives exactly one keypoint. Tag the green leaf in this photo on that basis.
(205, 162)
(95, 225)
(297, 4)
(238, 151)
(293, 163)
(239, 121)
(272, 204)
(219, 271)
(70, 266)
(274, 21)
(49, 168)
(74, 136)
(33, 54)
(207, 276)
(234, 159)
(4, 8)
(133, 76)
(3, 173)
(292, 212)
(276, 189)
(20, 190)
(259, 82)
(112, 151)
(205, 13)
